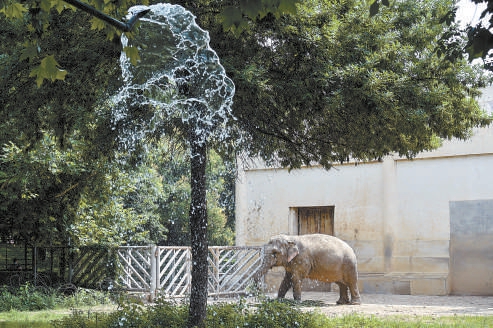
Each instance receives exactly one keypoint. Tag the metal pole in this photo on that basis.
(124, 26)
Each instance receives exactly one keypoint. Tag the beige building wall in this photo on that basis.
(394, 213)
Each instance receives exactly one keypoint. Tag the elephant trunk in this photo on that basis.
(267, 264)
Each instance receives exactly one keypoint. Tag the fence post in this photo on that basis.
(154, 275)
(189, 269)
(216, 253)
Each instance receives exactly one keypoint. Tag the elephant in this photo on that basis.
(315, 256)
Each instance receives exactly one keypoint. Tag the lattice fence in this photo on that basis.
(167, 270)
(136, 267)
(232, 268)
(175, 265)
(90, 266)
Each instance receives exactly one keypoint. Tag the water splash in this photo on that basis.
(178, 80)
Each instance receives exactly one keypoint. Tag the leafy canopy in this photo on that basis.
(480, 36)
(333, 83)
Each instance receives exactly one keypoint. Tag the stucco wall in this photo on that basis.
(394, 213)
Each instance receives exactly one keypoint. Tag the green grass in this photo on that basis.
(38, 319)
(411, 322)
(42, 319)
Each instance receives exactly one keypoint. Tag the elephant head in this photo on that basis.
(280, 251)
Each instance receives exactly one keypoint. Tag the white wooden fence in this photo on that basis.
(167, 270)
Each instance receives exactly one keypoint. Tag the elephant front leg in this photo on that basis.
(297, 288)
(343, 295)
(285, 285)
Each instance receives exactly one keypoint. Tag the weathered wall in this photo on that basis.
(471, 247)
(395, 213)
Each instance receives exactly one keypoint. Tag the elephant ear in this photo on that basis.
(293, 251)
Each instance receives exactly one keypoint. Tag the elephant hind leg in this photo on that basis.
(343, 294)
(286, 283)
(351, 280)
(355, 297)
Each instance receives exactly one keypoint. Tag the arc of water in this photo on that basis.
(178, 74)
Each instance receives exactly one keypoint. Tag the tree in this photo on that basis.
(49, 136)
(84, 137)
(333, 83)
(182, 90)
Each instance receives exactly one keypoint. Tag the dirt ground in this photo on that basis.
(384, 305)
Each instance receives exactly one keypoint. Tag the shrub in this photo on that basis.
(85, 297)
(79, 319)
(227, 315)
(266, 314)
(169, 315)
(280, 314)
(27, 298)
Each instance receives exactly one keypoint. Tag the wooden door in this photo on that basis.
(316, 220)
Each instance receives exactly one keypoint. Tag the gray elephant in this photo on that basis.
(319, 257)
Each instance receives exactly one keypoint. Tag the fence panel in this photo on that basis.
(167, 270)
(89, 267)
(232, 268)
(136, 274)
(174, 265)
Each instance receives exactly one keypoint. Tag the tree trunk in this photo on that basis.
(198, 230)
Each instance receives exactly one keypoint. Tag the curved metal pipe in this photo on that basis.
(123, 26)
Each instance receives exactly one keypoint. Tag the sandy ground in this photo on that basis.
(384, 305)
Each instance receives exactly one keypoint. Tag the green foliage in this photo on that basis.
(236, 18)
(43, 165)
(375, 6)
(13, 10)
(31, 298)
(37, 17)
(26, 299)
(80, 319)
(60, 175)
(333, 83)
(133, 54)
(47, 69)
(172, 315)
(278, 314)
(480, 38)
(125, 213)
(271, 314)
(82, 298)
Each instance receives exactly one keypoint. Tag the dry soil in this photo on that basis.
(384, 305)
